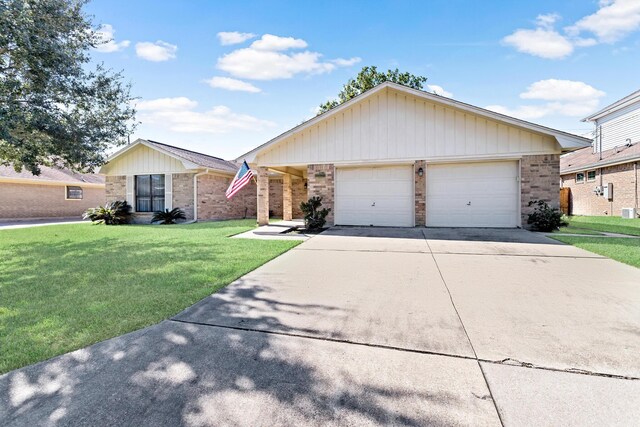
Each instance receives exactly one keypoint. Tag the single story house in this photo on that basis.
(395, 156)
(603, 179)
(55, 193)
(152, 176)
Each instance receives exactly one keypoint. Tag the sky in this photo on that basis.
(222, 77)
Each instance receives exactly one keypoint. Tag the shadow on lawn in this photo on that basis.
(186, 374)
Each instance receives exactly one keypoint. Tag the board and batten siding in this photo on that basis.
(144, 160)
(394, 126)
(617, 127)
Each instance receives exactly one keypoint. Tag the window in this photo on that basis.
(579, 177)
(74, 193)
(591, 175)
(149, 193)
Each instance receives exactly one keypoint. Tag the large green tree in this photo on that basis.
(368, 78)
(55, 108)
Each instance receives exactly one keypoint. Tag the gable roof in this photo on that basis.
(618, 105)
(51, 175)
(190, 159)
(586, 159)
(566, 140)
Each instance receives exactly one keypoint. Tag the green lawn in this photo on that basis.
(575, 230)
(606, 223)
(623, 249)
(64, 287)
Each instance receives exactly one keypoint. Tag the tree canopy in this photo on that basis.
(55, 108)
(368, 78)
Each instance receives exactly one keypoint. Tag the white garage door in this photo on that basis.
(473, 195)
(375, 196)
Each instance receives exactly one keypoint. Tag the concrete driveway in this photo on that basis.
(366, 326)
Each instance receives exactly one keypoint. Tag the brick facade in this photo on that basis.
(25, 201)
(275, 197)
(116, 188)
(299, 195)
(420, 189)
(320, 182)
(539, 181)
(626, 191)
(214, 205)
(182, 193)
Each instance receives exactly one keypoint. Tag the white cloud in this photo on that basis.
(613, 21)
(107, 44)
(180, 115)
(542, 42)
(268, 59)
(276, 43)
(232, 84)
(438, 90)
(563, 97)
(156, 52)
(233, 37)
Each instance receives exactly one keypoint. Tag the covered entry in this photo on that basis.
(483, 194)
(381, 195)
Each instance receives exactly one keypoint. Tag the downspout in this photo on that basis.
(635, 170)
(600, 138)
(195, 193)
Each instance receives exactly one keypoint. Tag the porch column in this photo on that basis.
(263, 195)
(287, 198)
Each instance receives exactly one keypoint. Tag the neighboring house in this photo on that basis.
(55, 193)
(152, 176)
(395, 156)
(603, 178)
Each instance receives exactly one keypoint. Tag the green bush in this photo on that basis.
(114, 213)
(314, 217)
(544, 217)
(168, 216)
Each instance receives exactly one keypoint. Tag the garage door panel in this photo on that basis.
(473, 195)
(381, 196)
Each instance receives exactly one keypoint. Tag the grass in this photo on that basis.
(623, 249)
(576, 230)
(64, 287)
(606, 223)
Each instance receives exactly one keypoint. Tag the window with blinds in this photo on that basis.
(149, 193)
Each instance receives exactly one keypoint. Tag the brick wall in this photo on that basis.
(320, 182)
(299, 195)
(214, 205)
(275, 197)
(116, 188)
(584, 201)
(21, 201)
(539, 180)
(420, 188)
(182, 193)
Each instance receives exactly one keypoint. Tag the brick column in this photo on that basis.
(287, 198)
(320, 183)
(420, 189)
(263, 195)
(539, 180)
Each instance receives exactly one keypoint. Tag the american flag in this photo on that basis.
(241, 179)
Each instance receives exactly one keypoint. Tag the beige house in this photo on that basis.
(395, 156)
(55, 193)
(152, 176)
(603, 178)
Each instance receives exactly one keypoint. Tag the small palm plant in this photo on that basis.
(168, 216)
(314, 217)
(114, 213)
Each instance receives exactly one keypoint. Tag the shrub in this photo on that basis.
(544, 217)
(114, 213)
(314, 217)
(168, 216)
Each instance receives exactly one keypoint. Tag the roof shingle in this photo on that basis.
(585, 158)
(50, 174)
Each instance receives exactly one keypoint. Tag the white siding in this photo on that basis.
(143, 160)
(617, 127)
(394, 126)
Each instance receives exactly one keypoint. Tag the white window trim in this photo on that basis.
(584, 177)
(66, 193)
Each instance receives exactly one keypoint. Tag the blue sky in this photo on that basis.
(223, 77)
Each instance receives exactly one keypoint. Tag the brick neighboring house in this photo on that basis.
(55, 193)
(153, 176)
(603, 178)
(395, 156)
